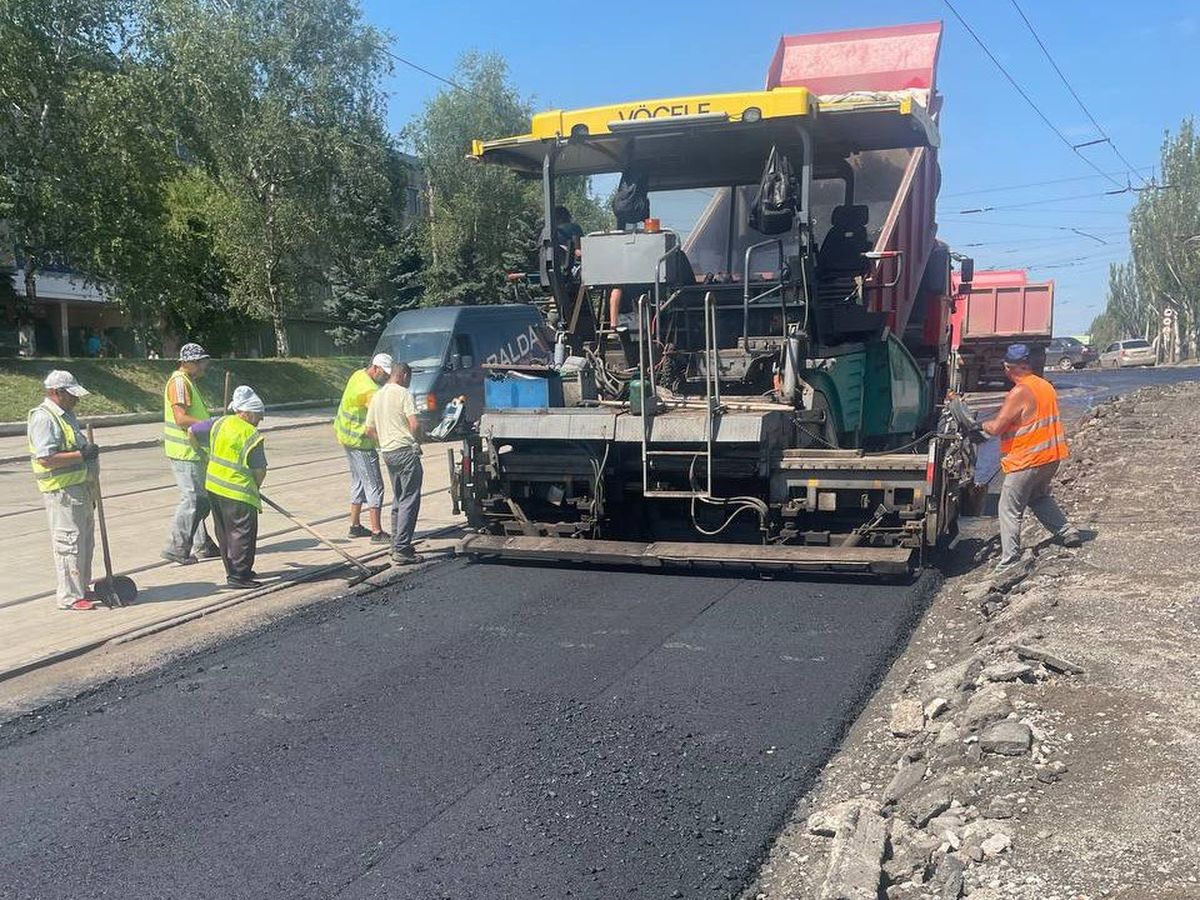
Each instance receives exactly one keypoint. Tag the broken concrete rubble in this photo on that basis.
(1007, 738)
(908, 718)
(1007, 670)
(856, 858)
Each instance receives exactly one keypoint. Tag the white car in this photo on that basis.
(1129, 352)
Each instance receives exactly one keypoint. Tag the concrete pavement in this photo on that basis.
(14, 448)
(307, 476)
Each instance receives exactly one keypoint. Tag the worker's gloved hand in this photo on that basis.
(89, 452)
(976, 434)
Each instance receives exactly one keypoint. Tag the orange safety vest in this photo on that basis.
(1038, 439)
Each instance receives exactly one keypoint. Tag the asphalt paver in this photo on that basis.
(477, 731)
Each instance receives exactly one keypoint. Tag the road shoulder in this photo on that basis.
(1037, 737)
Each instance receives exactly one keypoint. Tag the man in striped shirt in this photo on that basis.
(183, 407)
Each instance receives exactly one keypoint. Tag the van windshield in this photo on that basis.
(420, 349)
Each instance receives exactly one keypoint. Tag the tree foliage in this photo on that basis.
(78, 166)
(219, 163)
(280, 104)
(1164, 236)
(483, 221)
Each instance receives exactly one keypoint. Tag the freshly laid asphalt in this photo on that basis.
(479, 731)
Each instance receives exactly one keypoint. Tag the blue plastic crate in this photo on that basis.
(519, 391)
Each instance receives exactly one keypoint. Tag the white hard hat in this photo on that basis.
(383, 361)
(62, 380)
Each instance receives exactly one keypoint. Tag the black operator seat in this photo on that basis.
(841, 252)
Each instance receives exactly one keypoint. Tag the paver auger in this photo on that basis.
(770, 393)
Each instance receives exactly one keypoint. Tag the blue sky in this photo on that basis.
(1135, 65)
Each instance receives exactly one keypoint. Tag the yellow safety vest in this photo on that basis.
(49, 479)
(350, 424)
(230, 444)
(175, 439)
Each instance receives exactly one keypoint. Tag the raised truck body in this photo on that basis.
(999, 308)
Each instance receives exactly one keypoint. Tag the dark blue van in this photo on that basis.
(448, 346)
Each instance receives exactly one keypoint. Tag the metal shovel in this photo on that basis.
(111, 590)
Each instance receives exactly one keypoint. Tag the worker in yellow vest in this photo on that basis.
(1032, 444)
(183, 407)
(59, 454)
(350, 426)
(237, 467)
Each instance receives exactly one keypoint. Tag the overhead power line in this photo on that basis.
(412, 65)
(1024, 95)
(1034, 184)
(1105, 139)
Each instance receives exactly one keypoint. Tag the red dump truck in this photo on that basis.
(998, 308)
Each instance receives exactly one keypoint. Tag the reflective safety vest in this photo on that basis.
(350, 424)
(49, 479)
(175, 439)
(230, 443)
(1038, 439)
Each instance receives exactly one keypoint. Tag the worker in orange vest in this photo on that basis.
(1032, 444)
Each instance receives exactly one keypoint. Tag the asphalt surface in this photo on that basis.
(483, 731)
(1082, 389)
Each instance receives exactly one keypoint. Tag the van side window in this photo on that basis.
(462, 348)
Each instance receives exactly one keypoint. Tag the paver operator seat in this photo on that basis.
(840, 259)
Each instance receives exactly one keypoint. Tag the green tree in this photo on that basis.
(61, 63)
(280, 107)
(1164, 236)
(482, 220)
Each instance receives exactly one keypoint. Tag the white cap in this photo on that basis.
(62, 380)
(383, 361)
(245, 400)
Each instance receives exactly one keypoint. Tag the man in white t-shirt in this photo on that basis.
(392, 423)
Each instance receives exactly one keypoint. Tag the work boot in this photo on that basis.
(1069, 537)
(242, 581)
(178, 558)
(357, 531)
(209, 551)
(381, 537)
(406, 557)
(1006, 567)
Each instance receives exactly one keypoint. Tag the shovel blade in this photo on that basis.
(119, 590)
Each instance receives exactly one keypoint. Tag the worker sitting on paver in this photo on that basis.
(392, 422)
(237, 466)
(366, 481)
(60, 454)
(1032, 444)
(183, 407)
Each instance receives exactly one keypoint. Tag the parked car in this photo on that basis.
(1129, 352)
(1067, 353)
(448, 347)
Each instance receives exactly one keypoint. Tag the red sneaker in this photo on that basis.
(80, 604)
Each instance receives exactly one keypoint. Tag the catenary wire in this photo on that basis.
(1020, 90)
(1130, 168)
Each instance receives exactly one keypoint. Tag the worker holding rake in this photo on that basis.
(237, 467)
